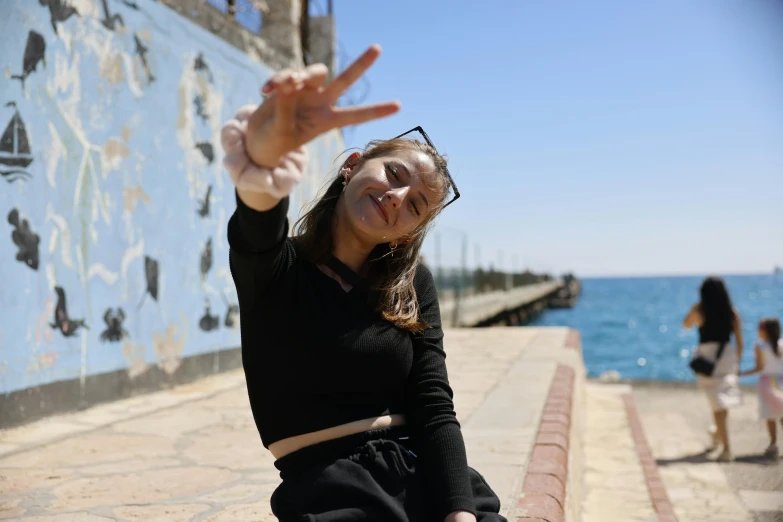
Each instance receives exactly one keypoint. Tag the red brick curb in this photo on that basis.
(574, 340)
(660, 498)
(544, 490)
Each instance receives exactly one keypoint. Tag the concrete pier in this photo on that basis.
(553, 446)
(193, 453)
(505, 307)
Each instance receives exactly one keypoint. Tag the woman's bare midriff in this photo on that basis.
(281, 448)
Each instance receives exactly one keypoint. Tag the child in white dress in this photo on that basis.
(769, 362)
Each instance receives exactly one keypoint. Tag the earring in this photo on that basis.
(393, 247)
(344, 174)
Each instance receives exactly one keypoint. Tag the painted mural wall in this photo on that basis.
(113, 200)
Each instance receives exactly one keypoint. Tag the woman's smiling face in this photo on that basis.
(387, 197)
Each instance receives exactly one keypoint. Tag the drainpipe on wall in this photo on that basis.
(304, 31)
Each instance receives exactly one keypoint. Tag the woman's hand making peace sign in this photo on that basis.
(299, 107)
(263, 144)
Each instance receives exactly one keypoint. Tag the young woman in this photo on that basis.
(769, 362)
(341, 333)
(717, 320)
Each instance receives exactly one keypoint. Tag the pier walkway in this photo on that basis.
(645, 458)
(554, 447)
(502, 306)
(192, 453)
(675, 418)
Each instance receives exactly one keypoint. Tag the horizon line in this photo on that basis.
(640, 275)
(674, 274)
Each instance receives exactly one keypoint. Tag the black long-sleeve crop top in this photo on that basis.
(316, 356)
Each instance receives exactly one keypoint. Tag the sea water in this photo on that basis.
(633, 326)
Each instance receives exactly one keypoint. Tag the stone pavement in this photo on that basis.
(676, 419)
(193, 452)
(646, 461)
(615, 488)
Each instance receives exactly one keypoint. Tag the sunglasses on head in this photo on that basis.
(448, 175)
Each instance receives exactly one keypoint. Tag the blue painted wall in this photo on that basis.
(122, 118)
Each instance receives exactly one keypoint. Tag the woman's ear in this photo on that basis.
(348, 166)
(351, 161)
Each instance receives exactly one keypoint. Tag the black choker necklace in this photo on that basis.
(345, 272)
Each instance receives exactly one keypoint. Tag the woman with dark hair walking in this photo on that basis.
(717, 320)
(342, 343)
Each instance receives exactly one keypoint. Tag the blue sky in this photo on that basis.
(604, 137)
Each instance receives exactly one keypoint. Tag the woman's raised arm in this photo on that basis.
(299, 107)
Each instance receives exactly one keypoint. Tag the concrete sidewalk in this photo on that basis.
(193, 452)
(676, 419)
(645, 460)
(614, 482)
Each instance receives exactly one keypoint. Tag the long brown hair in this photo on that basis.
(389, 274)
(771, 327)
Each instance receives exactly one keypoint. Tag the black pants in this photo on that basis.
(369, 476)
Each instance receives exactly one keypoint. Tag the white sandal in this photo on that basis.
(725, 456)
(715, 440)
